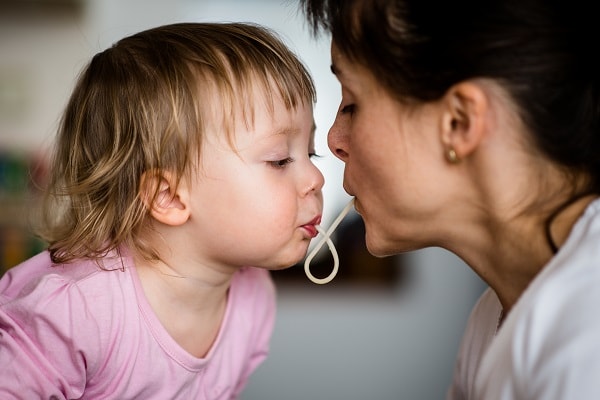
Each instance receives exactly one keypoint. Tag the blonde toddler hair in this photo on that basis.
(143, 105)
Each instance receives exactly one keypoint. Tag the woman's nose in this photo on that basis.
(337, 139)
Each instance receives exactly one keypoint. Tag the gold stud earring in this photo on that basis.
(451, 156)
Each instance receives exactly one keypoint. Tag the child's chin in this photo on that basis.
(288, 263)
(284, 266)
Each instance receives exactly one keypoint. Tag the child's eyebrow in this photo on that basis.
(286, 131)
(291, 131)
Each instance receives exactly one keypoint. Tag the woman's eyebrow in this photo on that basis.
(339, 73)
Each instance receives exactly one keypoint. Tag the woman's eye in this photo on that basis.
(313, 155)
(348, 109)
(279, 164)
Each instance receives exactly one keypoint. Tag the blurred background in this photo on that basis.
(384, 329)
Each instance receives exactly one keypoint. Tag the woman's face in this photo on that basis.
(392, 155)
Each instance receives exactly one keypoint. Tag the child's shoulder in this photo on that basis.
(40, 274)
(76, 309)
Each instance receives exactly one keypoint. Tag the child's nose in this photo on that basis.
(315, 180)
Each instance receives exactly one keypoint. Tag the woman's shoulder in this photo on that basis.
(479, 334)
(483, 324)
(554, 324)
(485, 314)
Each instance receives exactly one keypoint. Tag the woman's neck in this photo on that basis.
(561, 225)
(509, 255)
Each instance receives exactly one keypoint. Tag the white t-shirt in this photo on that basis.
(481, 330)
(549, 345)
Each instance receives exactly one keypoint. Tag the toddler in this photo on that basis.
(182, 175)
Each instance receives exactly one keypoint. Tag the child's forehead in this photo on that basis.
(257, 122)
(252, 103)
(264, 121)
(244, 87)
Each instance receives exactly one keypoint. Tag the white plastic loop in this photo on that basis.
(327, 239)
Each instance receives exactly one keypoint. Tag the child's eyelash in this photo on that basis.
(281, 163)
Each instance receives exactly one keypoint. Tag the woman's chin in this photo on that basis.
(378, 247)
(374, 247)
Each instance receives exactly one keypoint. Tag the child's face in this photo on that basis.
(258, 206)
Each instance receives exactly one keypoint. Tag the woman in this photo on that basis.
(474, 126)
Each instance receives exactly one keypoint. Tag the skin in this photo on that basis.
(270, 181)
(254, 204)
(489, 208)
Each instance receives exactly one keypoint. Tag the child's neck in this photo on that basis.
(191, 309)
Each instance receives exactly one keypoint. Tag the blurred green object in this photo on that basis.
(20, 175)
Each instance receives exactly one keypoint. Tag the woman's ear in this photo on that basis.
(464, 119)
(164, 197)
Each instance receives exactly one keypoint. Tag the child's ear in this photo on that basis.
(466, 105)
(164, 198)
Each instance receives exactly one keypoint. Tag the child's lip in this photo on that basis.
(315, 221)
(310, 227)
(311, 230)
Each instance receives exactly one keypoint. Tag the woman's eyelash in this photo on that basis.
(349, 109)
(314, 155)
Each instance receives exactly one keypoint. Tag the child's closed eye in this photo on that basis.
(280, 164)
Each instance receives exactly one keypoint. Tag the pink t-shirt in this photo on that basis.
(77, 331)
